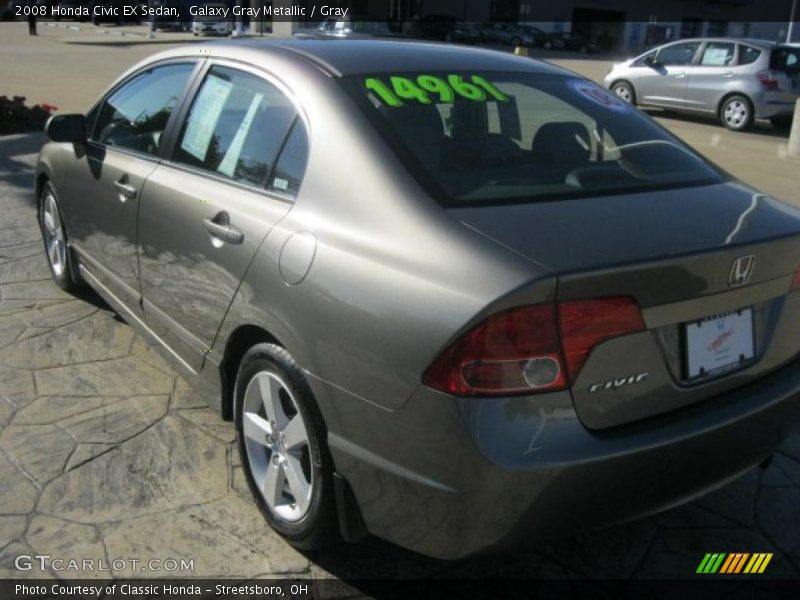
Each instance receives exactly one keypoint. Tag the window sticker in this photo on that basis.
(229, 162)
(598, 95)
(205, 114)
(716, 57)
(397, 90)
(279, 183)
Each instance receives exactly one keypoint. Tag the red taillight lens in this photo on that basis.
(795, 287)
(519, 351)
(767, 80)
(586, 323)
(513, 352)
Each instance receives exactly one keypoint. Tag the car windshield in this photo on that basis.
(495, 137)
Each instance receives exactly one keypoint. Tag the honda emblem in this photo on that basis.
(741, 270)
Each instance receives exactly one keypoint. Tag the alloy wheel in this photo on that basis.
(278, 451)
(54, 238)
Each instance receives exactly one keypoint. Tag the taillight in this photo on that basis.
(520, 351)
(795, 287)
(510, 353)
(767, 79)
(586, 323)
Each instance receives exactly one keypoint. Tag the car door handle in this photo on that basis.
(728, 74)
(124, 188)
(680, 75)
(221, 229)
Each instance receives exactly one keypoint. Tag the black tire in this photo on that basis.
(448, 37)
(783, 123)
(736, 112)
(515, 41)
(318, 527)
(583, 49)
(67, 277)
(624, 91)
(547, 45)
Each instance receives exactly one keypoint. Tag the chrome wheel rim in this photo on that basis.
(736, 113)
(54, 235)
(278, 450)
(623, 92)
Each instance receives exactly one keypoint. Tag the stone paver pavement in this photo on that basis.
(106, 453)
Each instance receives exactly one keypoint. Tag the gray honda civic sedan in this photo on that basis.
(451, 297)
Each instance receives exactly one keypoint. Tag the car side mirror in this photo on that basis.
(66, 128)
(651, 62)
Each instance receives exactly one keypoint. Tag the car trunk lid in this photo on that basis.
(673, 252)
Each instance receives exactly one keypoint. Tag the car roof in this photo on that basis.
(360, 56)
(730, 40)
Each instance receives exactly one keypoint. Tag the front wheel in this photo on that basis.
(736, 113)
(282, 443)
(62, 262)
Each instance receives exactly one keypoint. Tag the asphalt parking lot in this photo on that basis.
(105, 452)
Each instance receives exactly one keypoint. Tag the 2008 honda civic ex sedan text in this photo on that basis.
(454, 298)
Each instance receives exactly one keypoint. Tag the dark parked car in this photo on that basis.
(447, 29)
(542, 39)
(505, 33)
(576, 42)
(455, 298)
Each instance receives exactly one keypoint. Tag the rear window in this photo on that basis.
(786, 59)
(482, 138)
(748, 55)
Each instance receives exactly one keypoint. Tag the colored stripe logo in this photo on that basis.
(734, 563)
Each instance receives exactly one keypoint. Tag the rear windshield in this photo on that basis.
(481, 138)
(785, 58)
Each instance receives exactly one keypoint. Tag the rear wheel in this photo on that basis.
(736, 113)
(784, 122)
(515, 41)
(62, 262)
(624, 91)
(282, 443)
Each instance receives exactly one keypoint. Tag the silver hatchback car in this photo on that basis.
(737, 80)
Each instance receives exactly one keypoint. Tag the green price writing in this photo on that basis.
(427, 89)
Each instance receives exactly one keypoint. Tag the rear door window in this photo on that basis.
(717, 54)
(235, 127)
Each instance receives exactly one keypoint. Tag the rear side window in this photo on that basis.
(748, 55)
(235, 127)
(717, 54)
(291, 163)
(135, 115)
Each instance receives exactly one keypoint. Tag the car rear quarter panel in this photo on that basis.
(394, 277)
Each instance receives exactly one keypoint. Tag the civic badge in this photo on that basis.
(741, 270)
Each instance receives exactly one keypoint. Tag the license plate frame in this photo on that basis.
(718, 344)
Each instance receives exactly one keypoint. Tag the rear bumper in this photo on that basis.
(774, 104)
(451, 477)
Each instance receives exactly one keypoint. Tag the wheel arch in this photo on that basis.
(238, 343)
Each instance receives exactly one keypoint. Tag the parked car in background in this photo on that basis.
(348, 29)
(736, 80)
(8, 10)
(505, 33)
(447, 29)
(211, 24)
(570, 40)
(183, 22)
(542, 39)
